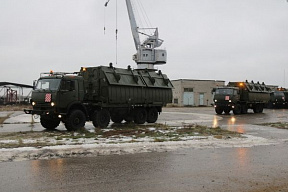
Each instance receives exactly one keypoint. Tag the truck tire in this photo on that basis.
(258, 108)
(75, 120)
(128, 118)
(237, 109)
(116, 118)
(226, 111)
(261, 107)
(244, 109)
(103, 118)
(140, 116)
(49, 122)
(152, 115)
(219, 110)
(94, 118)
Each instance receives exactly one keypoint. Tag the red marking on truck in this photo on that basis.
(227, 98)
(48, 97)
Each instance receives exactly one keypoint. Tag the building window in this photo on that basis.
(188, 89)
(176, 101)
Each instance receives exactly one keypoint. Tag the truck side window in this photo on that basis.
(68, 85)
(235, 92)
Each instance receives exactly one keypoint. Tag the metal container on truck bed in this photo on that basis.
(252, 92)
(241, 96)
(122, 87)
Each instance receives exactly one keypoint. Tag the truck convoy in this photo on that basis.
(241, 96)
(99, 94)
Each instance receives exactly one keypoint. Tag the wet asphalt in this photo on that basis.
(258, 168)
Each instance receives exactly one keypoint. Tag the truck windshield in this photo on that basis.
(48, 84)
(224, 91)
(277, 93)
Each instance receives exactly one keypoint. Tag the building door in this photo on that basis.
(188, 98)
(201, 99)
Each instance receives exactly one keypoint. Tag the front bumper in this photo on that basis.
(225, 105)
(42, 110)
(39, 112)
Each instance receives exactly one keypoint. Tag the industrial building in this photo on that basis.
(191, 92)
(12, 93)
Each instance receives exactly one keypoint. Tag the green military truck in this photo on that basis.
(277, 99)
(241, 96)
(99, 94)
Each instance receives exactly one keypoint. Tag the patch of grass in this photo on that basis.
(155, 132)
(200, 130)
(14, 107)
(2, 119)
(16, 145)
(160, 140)
(280, 125)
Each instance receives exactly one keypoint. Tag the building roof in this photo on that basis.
(15, 84)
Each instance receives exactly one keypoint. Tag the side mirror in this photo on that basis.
(34, 84)
(213, 90)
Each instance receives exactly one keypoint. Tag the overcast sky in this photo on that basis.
(230, 40)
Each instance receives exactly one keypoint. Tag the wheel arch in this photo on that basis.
(79, 106)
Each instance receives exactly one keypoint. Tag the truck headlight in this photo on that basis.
(52, 104)
(215, 100)
(33, 103)
(230, 101)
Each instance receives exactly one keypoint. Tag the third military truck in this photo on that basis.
(241, 96)
(278, 99)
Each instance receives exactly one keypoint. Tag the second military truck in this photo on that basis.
(99, 94)
(241, 96)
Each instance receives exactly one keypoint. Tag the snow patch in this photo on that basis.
(96, 149)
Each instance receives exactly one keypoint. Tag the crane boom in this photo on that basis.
(133, 24)
(147, 55)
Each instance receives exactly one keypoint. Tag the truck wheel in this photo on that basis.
(257, 108)
(49, 122)
(94, 119)
(219, 110)
(116, 118)
(152, 115)
(128, 118)
(75, 120)
(244, 109)
(226, 111)
(261, 107)
(103, 118)
(140, 115)
(237, 109)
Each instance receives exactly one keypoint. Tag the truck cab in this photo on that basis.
(54, 95)
(277, 100)
(225, 99)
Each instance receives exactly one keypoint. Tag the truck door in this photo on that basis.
(68, 93)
